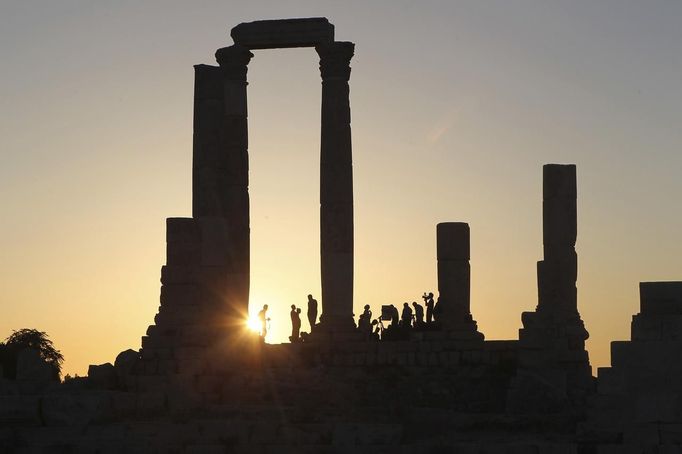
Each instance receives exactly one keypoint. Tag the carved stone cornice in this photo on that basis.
(234, 61)
(335, 59)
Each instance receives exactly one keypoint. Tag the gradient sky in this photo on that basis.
(455, 108)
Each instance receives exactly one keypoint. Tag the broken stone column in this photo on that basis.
(454, 273)
(553, 362)
(336, 187)
(558, 272)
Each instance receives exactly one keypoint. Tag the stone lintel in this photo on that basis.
(283, 33)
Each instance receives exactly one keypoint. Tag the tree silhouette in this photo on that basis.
(29, 338)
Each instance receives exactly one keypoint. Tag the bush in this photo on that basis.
(29, 338)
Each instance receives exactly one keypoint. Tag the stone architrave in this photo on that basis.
(336, 186)
(283, 33)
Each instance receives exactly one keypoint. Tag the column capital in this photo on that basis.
(234, 60)
(335, 59)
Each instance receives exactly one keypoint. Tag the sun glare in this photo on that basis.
(253, 324)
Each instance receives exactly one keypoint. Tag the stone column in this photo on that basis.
(453, 272)
(552, 358)
(557, 273)
(233, 178)
(336, 187)
(220, 176)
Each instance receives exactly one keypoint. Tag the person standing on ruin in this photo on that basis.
(407, 316)
(437, 309)
(418, 314)
(263, 317)
(365, 321)
(312, 311)
(428, 301)
(295, 323)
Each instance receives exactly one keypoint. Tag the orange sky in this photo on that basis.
(455, 108)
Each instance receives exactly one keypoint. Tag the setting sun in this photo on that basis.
(253, 324)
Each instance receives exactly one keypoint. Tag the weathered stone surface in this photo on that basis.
(282, 33)
(75, 409)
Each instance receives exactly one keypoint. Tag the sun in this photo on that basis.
(253, 324)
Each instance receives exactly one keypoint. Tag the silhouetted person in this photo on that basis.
(263, 317)
(365, 321)
(312, 311)
(394, 316)
(376, 335)
(292, 315)
(418, 314)
(437, 310)
(428, 302)
(407, 316)
(295, 324)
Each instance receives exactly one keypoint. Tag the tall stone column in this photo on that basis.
(220, 177)
(454, 275)
(233, 178)
(558, 272)
(336, 187)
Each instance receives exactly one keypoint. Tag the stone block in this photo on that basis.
(452, 241)
(123, 404)
(183, 254)
(453, 358)
(181, 295)
(559, 180)
(102, 376)
(125, 361)
(663, 298)
(76, 409)
(648, 327)
(641, 434)
(655, 406)
(208, 83)
(179, 274)
(610, 381)
(182, 230)
(19, 410)
(150, 403)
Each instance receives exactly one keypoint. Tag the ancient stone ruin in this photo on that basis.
(202, 383)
